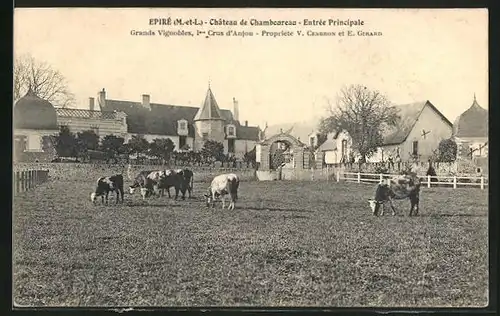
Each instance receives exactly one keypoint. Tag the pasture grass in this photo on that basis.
(285, 244)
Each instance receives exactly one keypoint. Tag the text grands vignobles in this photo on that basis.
(255, 22)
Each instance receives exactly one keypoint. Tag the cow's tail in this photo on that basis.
(191, 184)
(129, 172)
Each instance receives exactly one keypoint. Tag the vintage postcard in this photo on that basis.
(250, 157)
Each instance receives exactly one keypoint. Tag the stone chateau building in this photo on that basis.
(188, 127)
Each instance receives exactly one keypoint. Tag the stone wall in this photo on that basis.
(79, 171)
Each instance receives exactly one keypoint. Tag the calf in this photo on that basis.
(398, 188)
(221, 185)
(108, 184)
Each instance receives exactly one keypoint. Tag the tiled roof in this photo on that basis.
(409, 114)
(162, 118)
(472, 123)
(209, 110)
(106, 115)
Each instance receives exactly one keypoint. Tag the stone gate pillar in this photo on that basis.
(264, 157)
(298, 153)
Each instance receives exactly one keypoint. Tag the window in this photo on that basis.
(205, 136)
(230, 145)
(230, 130)
(182, 125)
(182, 141)
(20, 143)
(415, 148)
(95, 129)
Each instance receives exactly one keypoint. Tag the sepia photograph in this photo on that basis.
(208, 157)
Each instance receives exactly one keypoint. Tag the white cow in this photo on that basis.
(221, 185)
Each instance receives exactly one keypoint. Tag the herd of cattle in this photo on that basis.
(154, 183)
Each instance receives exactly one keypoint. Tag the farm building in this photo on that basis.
(416, 136)
(470, 131)
(33, 119)
(187, 127)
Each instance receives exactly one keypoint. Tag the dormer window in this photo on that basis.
(182, 127)
(231, 131)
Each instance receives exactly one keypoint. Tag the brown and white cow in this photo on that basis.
(397, 188)
(108, 184)
(145, 180)
(221, 186)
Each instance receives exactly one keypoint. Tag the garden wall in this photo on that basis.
(77, 171)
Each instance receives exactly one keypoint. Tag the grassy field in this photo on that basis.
(285, 244)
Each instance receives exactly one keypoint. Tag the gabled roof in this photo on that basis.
(472, 123)
(209, 110)
(409, 115)
(85, 113)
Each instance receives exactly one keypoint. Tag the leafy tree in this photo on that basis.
(112, 145)
(213, 150)
(162, 148)
(48, 83)
(138, 145)
(89, 139)
(447, 150)
(277, 158)
(48, 143)
(66, 143)
(364, 114)
(321, 139)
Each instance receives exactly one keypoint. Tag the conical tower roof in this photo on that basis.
(209, 110)
(472, 123)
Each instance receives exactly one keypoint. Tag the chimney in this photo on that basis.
(91, 104)
(145, 101)
(101, 99)
(236, 110)
(246, 123)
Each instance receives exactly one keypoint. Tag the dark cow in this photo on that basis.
(170, 179)
(187, 181)
(221, 185)
(398, 188)
(108, 184)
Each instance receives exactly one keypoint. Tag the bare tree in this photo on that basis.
(364, 114)
(48, 83)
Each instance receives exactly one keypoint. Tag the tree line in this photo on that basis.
(87, 145)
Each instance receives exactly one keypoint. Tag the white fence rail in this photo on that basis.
(453, 181)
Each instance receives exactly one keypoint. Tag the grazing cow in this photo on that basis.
(108, 184)
(221, 185)
(398, 188)
(145, 183)
(187, 181)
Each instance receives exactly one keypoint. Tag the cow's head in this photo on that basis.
(208, 196)
(93, 197)
(373, 204)
(131, 190)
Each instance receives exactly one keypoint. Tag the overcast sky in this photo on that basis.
(438, 55)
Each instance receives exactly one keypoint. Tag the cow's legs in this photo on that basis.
(102, 199)
(375, 211)
(107, 196)
(414, 201)
(117, 196)
(168, 191)
(223, 199)
(392, 207)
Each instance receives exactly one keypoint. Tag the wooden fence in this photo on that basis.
(27, 179)
(452, 181)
